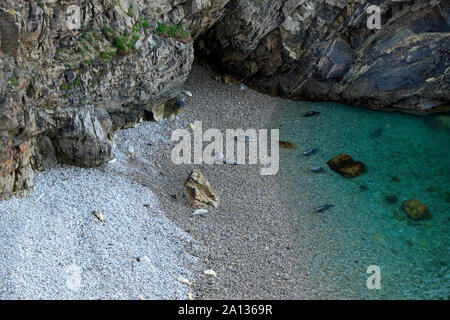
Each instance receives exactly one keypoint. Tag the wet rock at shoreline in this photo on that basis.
(346, 166)
(416, 210)
(200, 191)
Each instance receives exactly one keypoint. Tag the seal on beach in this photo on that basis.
(323, 208)
(310, 113)
(310, 152)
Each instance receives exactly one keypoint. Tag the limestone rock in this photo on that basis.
(346, 166)
(200, 191)
(416, 210)
(85, 140)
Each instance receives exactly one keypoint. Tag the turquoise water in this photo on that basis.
(408, 158)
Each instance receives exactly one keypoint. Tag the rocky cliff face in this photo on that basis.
(67, 84)
(323, 50)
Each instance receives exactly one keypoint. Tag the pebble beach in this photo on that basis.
(263, 241)
(54, 247)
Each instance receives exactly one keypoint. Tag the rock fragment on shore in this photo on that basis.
(200, 191)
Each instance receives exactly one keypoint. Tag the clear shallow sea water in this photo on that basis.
(409, 159)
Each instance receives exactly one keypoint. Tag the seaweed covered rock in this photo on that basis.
(416, 210)
(346, 166)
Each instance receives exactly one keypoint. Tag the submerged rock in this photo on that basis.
(391, 198)
(346, 166)
(416, 210)
(200, 191)
(363, 188)
(287, 145)
(376, 134)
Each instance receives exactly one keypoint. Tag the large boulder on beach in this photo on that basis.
(200, 191)
(85, 139)
(416, 210)
(346, 166)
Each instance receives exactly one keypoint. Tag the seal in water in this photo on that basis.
(323, 208)
(310, 152)
(317, 169)
(310, 113)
